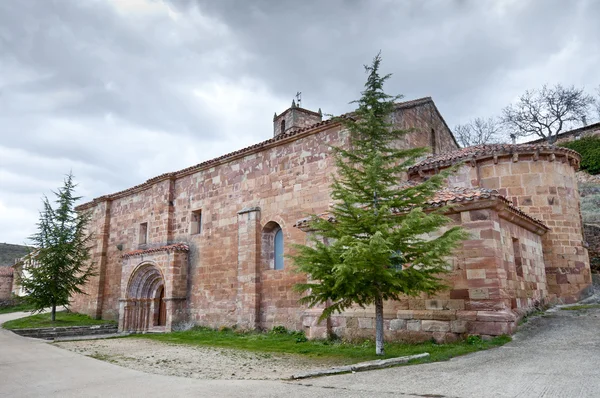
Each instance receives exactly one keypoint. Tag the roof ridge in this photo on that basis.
(197, 167)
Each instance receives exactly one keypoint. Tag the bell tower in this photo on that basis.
(295, 118)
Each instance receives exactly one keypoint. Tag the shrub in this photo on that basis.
(279, 330)
(589, 149)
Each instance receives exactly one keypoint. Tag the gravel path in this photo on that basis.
(195, 362)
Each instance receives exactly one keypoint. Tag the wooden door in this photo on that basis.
(162, 311)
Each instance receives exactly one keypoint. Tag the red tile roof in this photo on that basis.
(478, 152)
(6, 271)
(176, 247)
(448, 196)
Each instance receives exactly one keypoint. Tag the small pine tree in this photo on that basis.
(377, 247)
(59, 265)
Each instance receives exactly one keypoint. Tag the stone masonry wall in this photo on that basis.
(423, 123)
(545, 187)
(6, 281)
(592, 237)
(484, 289)
(226, 281)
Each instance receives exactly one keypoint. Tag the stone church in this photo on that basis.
(207, 244)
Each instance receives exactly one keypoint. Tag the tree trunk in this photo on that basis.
(379, 326)
(53, 316)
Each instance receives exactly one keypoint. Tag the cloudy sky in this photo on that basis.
(119, 91)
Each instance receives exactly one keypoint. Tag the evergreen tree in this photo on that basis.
(376, 249)
(59, 265)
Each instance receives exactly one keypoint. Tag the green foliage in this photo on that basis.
(45, 320)
(61, 261)
(279, 330)
(474, 339)
(580, 307)
(589, 149)
(339, 351)
(377, 249)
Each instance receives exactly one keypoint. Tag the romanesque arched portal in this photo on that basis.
(145, 305)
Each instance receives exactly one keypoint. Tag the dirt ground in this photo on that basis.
(195, 362)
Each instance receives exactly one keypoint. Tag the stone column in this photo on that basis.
(247, 300)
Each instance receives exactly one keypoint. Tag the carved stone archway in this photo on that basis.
(145, 300)
(153, 288)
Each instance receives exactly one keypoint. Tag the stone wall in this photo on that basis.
(592, 237)
(542, 183)
(6, 283)
(67, 332)
(236, 197)
(486, 294)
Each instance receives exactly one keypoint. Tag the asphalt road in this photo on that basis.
(557, 355)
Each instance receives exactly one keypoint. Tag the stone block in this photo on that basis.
(478, 294)
(413, 325)
(397, 324)
(435, 326)
(365, 323)
(475, 274)
(459, 326)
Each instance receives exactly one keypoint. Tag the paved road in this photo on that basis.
(554, 356)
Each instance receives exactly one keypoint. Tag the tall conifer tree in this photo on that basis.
(60, 263)
(377, 248)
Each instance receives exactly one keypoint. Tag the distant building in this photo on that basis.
(593, 130)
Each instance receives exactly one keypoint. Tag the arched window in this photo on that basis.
(278, 249)
(272, 246)
(283, 126)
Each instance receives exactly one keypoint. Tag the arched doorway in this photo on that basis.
(161, 308)
(145, 305)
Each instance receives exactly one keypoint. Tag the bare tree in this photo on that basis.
(546, 112)
(479, 131)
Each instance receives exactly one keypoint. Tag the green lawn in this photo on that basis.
(580, 307)
(293, 343)
(22, 307)
(62, 319)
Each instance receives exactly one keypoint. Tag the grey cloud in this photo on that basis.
(119, 94)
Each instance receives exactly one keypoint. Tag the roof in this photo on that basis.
(448, 196)
(176, 247)
(283, 137)
(479, 152)
(6, 271)
(592, 127)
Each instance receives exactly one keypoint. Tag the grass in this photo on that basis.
(62, 319)
(580, 307)
(295, 343)
(21, 307)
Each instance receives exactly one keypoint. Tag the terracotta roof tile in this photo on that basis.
(5, 271)
(176, 247)
(449, 196)
(486, 151)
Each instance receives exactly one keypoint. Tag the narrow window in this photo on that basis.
(433, 142)
(518, 258)
(143, 237)
(196, 223)
(278, 252)
(282, 126)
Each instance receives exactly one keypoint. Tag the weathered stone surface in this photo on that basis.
(359, 367)
(397, 324)
(435, 326)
